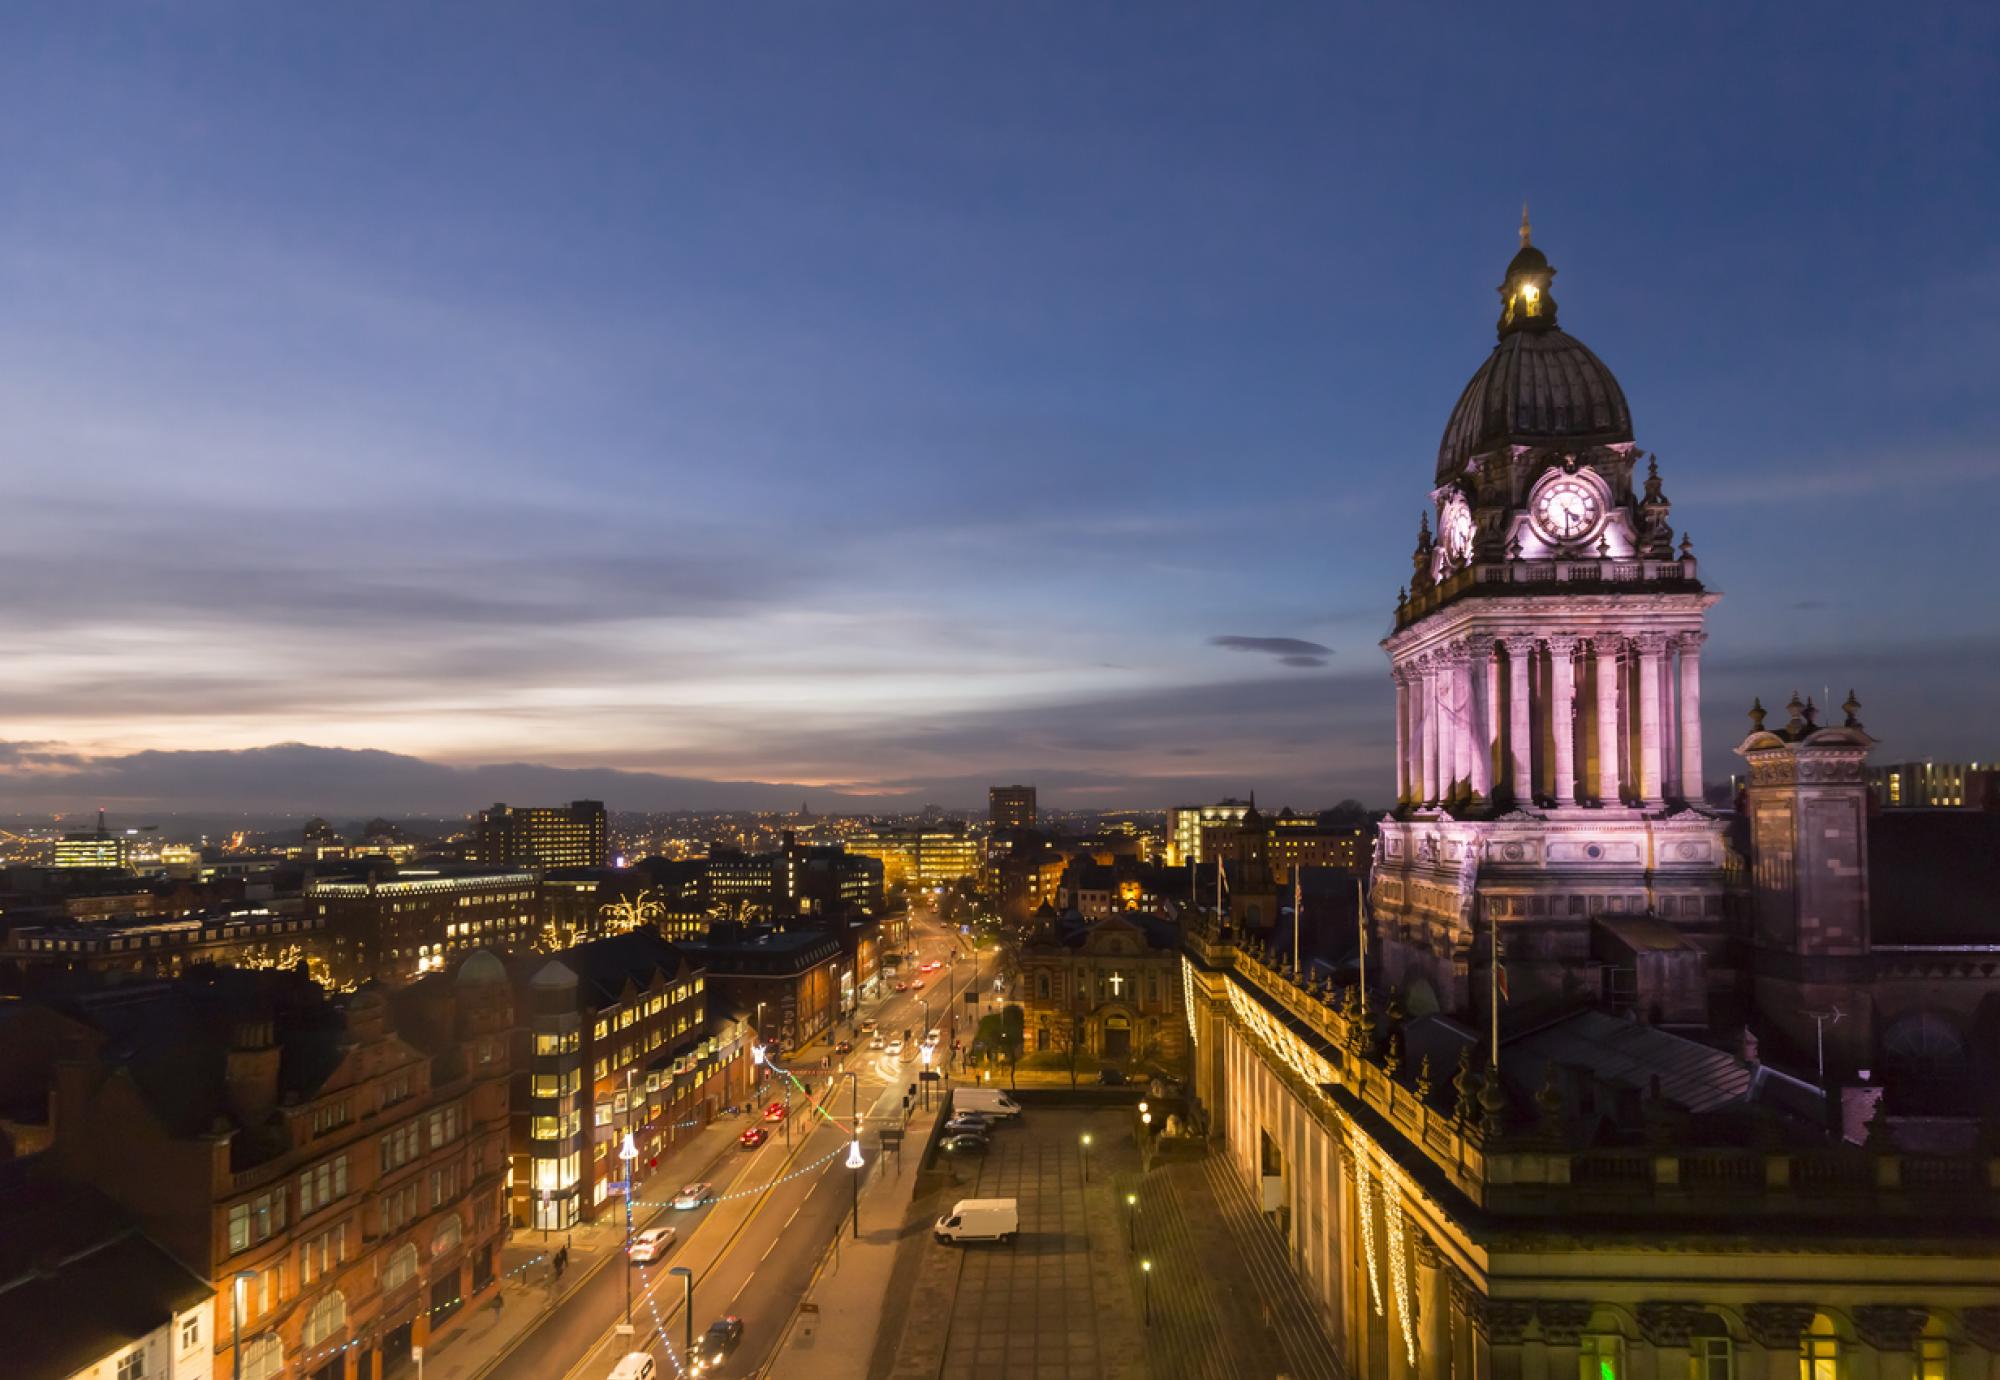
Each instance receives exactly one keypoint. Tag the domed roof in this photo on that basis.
(1537, 388)
(1540, 386)
(481, 968)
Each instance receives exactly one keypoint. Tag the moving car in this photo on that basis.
(844, 1047)
(650, 1244)
(868, 1026)
(964, 1143)
(754, 1137)
(875, 1041)
(895, 1046)
(917, 986)
(692, 1196)
(968, 1121)
(777, 1111)
(722, 1337)
(634, 1365)
(979, 1219)
(903, 986)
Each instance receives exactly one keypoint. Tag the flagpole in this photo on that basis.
(1298, 897)
(1495, 968)
(1361, 936)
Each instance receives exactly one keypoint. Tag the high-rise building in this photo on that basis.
(1186, 822)
(1010, 807)
(1929, 785)
(544, 836)
(96, 848)
(926, 855)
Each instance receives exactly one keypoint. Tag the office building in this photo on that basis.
(1931, 785)
(1010, 807)
(924, 855)
(397, 924)
(1185, 824)
(543, 836)
(95, 848)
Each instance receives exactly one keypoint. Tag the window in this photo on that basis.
(444, 1125)
(1042, 985)
(1933, 1358)
(322, 1184)
(327, 1317)
(1819, 1351)
(444, 1184)
(322, 1253)
(263, 1358)
(132, 1365)
(545, 1128)
(190, 1331)
(449, 1234)
(401, 1269)
(401, 1146)
(254, 1220)
(1714, 1358)
(1600, 1357)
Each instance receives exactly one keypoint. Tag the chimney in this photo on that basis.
(252, 1073)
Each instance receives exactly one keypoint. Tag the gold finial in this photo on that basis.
(1525, 241)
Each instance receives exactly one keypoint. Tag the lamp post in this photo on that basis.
(924, 1058)
(1132, 1222)
(236, 1287)
(628, 1152)
(687, 1309)
(854, 1160)
(1085, 1141)
(1146, 1271)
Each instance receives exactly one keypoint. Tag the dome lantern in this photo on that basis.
(1525, 301)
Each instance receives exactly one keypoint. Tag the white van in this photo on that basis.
(980, 1219)
(636, 1365)
(991, 1101)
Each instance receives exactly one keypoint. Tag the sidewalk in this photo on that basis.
(832, 1334)
(526, 1287)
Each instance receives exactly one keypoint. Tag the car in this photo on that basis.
(904, 986)
(754, 1137)
(650, 1244)
(844, 1047)
(917, 986)
(968, 1123)
(868, 1026)
(777, 1111)
(876, 1041)
(692, 1196)
(1110, 1078)
(931, 967)
(895, 1046)
(964, 1143)
(722, 1338)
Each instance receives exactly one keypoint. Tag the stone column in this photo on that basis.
(1652, 653)
(1434, 1359)
(1562, 1324)
(1413, 683)
(1562, 714)
(1520, 729)
(1463, 744)
(1431, 744)
(1402, 735)
(1496, 768)
(1469, 1360)
(1670, 733)
(1610, 746)
(1775, 1328)
(1691, 786)
(1478, 708)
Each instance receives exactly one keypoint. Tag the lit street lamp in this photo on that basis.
(1146, 1270)
(628, 1152)
(1132, 1222)
(1086, 1156)
(237, 1285)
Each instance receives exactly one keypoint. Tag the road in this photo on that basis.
(753, 1247)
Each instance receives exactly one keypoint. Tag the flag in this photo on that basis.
(1499, 970)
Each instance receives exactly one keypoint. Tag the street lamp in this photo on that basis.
(237, 1286)
(1132, 1222)
(1146, 1270)
(628, 1152)
(1086, 1156)
(687, 1309)
(924, 1057)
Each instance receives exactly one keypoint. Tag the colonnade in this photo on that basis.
(1605, 718)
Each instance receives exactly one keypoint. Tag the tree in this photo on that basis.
(1071, 1035)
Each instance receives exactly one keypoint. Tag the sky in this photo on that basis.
(890, 399)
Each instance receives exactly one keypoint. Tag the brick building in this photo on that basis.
(1110, 989)
(395, 925)
(346, 1157)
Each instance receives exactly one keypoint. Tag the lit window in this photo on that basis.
(1713, 1358)
(1933, 1358)
(132, 1365)
(1600, 1357)
(190, 1331)
(1819, 1352)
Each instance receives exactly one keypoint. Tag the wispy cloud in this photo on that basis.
(1290, 651)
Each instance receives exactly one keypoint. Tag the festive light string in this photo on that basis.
(1399, 1274)
(759, 1188)
(1364, 1195)
(310, 1358)
(1187, 1000)
(660, 1323)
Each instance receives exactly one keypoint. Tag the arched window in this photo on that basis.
(1600, 1356)
(449, 1233)
(327, 1317)
(1923, 1044)
(263, 1357)
(1711, 1352)
(402, 1267)
(1819, 1351)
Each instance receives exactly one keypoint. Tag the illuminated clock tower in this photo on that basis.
(1547, 666)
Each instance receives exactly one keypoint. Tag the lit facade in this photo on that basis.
(543, 836)
(1927, 785)
(398, 926)
(927, 855)
(1185, 824)
(1010, 807)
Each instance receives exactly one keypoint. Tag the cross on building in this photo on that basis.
(1117, 983)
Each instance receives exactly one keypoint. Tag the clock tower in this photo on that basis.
(1546, 658)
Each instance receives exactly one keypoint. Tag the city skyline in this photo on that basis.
(1013, 422)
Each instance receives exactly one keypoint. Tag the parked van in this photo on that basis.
(991, 1101)
(980, 1219)
(637, 1365)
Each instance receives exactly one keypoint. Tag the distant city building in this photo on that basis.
(573, 835)
(798, 976)
(1931, 785)
(926, 855)
(397, 925)
(1185, 824)
(1010, 807)
(615, 1036)
(1107, 991)
(96, 848)
(244, 937)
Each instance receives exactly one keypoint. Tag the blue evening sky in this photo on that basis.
(907, 396)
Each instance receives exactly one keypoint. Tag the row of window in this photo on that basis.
(1713, 1357)
(322, 1184)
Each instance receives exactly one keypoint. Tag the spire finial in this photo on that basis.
(1525, 233)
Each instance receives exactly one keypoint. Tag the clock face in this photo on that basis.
(1456, 526)
(1567, 510)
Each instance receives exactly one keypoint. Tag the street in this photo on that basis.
(754, 1245)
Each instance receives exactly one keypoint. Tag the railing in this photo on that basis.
(1587, 571)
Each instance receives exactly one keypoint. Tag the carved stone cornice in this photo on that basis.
(1689, 643)
(1669, 1323)
(1777, 1325)
(1519, 644)
(1503, 1321)
(1562, 1320)
(1982, 1326)
(1651, 644)
(1563, 644)
(1464, 1296)
(1425, 1250)
(1607, 644)
(1890, 1326)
